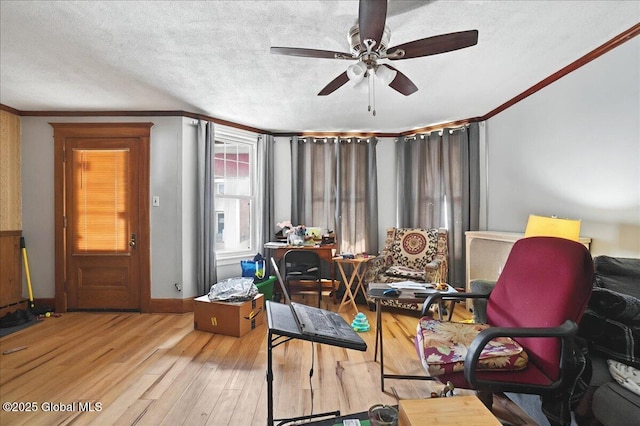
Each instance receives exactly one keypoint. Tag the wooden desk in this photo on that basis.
(326, 253)
(454, 410)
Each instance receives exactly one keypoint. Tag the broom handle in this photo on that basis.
(23, 247)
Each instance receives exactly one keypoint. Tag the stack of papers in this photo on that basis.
(274, 244)
(411, 285)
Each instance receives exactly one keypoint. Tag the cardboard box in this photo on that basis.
(231, 319)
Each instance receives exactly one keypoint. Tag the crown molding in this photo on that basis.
(596, 53)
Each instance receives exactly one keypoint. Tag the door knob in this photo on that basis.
(132, 241)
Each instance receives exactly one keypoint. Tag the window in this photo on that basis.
(333, 183)
(234, 183)
(100, 200)
(219, 226)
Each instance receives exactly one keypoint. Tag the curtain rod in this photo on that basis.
(337, 138)
(343, 135)
(422, 134)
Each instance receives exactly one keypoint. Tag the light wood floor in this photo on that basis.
(152, 369)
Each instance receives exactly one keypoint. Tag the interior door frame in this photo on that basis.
(141, 131)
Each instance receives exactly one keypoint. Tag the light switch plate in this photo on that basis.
(155, 201)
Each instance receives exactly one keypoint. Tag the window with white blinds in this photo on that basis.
(100, 200)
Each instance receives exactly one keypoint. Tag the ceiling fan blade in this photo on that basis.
(434, 45)
(372, 16)
(401, 82)
(310, 53)
(335, 84)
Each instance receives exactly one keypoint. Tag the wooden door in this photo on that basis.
(105, 221)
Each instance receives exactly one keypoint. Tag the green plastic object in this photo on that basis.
(360, 323)
(266, 287)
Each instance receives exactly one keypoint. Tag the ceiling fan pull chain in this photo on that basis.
(369, 90)
(373, 94)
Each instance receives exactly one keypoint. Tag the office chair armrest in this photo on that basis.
(437, 297)
(568, 329)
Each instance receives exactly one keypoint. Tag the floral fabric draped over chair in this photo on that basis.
(411, 254)
(529, 344)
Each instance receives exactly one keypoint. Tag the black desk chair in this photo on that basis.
(302, 265)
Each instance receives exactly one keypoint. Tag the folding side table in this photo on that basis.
(359, 265)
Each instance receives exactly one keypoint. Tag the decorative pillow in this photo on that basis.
(414, 247)
(405, 272)
(625, 375)
(615, 306)
(442, 347)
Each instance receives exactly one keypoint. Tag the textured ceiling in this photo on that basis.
(213, 57)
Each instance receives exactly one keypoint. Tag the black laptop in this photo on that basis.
(314, 321)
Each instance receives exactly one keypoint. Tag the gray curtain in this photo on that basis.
(334, 186)
(439, 186)
(420, 189)
(357, 196)
(297, 186)
(207, 268)
(313, 186)
(265, 194)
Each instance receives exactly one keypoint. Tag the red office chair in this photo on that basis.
(541, 294)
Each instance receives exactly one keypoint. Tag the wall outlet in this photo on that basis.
(178, 286)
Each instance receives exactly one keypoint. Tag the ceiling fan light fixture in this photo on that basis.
(363, 85)
(356, 72)
(385, 74)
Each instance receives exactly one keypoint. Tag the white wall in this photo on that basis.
(38, 201)
(187, 210)
(282, 177)
(573, 150)
(387, 190)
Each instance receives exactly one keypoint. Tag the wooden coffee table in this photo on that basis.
(455, 410)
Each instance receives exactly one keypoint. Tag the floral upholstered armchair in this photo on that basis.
(411, 254)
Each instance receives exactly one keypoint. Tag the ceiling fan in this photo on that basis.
(369, 40)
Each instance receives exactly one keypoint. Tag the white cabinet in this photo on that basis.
(487, 252)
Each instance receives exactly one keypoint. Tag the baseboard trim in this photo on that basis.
(171, 306)
(158, 306)
(42, 302)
